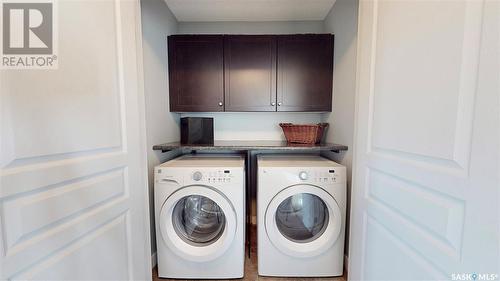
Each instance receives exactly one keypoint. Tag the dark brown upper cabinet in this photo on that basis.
(196, 73)
(305, 72)
(210, 73)
(250, 72)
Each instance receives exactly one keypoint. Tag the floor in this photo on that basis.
(251, 269)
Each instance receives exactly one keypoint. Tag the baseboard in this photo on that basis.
(153, 260)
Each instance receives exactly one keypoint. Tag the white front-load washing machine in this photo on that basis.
(301, 202)
(200, 217)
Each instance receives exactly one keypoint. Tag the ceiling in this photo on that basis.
(249, 10)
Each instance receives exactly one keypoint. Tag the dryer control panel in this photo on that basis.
(211, 176)
(320, 176)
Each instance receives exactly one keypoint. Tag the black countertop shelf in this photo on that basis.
(251, 145)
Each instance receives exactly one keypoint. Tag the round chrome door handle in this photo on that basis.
(273, 103)
(279, 103)
(220, 103)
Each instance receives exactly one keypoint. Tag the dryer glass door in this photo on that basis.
(198, 220)
(303, 220)
(302, 217)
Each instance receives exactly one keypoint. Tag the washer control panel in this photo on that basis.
(212, 176)
(320, 176)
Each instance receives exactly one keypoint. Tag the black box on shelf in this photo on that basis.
(197, 130)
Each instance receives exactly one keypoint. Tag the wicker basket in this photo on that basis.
(307, 134)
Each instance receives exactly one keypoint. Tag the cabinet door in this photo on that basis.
(196, 70)
(305, 72)
(250, 72)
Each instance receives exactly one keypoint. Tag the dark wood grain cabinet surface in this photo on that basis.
(250, 72)
(211, 73)
(305, 72)
(196, 70)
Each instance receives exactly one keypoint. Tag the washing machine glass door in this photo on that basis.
(198, 223)
(303, 221)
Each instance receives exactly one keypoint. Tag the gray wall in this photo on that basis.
(161, 126)
(343, 22)
(257, 125)
(274, 27)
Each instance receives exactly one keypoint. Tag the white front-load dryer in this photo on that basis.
(200, 217)
(301, 202)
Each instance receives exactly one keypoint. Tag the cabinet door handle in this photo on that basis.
(273, 103)
(279, 103)
(220, 103)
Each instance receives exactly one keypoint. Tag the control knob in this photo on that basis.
(303, 175)
(197, 176)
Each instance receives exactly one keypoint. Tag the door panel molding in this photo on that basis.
(420, 261)
(465, 96)
(27, 215)
(406, 199)
(75, 248)
(30, 178)
(60, 237)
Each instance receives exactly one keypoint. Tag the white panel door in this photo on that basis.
(73, 189)
(425, 202)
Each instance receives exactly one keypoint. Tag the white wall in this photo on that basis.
(162, 126)
(253, 125)
(343, 22)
